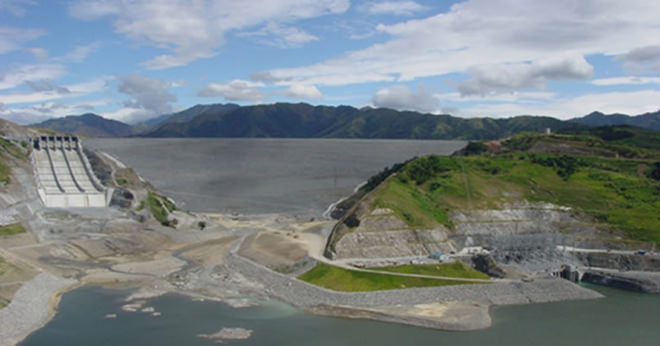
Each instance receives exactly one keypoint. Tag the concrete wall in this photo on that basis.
(64, 179)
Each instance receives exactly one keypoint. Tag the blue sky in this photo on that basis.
(133, 60)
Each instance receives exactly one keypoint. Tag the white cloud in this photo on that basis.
(15, 7)
(150, 95)
(400, 97)
(46, 85)
(633, 103)
(642, 58)
(300, 91)
(44, 90)
(489, 32)
(24, 73)
(400, 8)
(130, 115)
(79, 53)
(277, 35)
(506, 77)
(236, 90)
(626, 81)
(40, 112)
(514, 96)
(194, 30)
(12, 38)
(40, 54)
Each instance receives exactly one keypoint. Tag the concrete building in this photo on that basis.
(64, 176)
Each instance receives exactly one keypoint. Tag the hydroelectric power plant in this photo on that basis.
(64, 176)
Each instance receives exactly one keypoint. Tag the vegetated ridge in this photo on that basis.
(306, 121)
(302, 120)
(593, 187)
(90, 125)
(647, 120)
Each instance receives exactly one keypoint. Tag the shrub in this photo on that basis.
(654, 172)
(475, 148)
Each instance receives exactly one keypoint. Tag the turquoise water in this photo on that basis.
(623, 318)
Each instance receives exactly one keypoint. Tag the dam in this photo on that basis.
(63, 175)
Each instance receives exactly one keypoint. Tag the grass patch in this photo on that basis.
(168, 204)
(340, 279)
(122, 182)
(455, 270)
(4, 172)
(141, 206)
(13, 228)
(157, 209)
(412, 205)
(12, 149)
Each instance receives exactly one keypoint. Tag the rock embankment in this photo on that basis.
(631, 281)
(304, 295)
(620, 261)
(30, 308)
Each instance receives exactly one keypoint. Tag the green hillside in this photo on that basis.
(90, 125)
(605, 180)
(302, 120)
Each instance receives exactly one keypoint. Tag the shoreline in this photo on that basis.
(328, 210)
(473, 313)
(472, 303)
(32, 308)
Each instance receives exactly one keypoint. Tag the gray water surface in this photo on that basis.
(252, 175)
(622, 318)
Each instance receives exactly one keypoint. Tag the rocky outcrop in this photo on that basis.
(398, 243)
(381, 234)
(487, 265)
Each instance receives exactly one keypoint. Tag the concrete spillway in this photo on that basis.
(63, 175)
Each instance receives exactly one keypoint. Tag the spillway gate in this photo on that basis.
(64, 176)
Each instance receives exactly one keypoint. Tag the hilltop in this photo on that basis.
(522, 196)
(90, 125)
(647, 120)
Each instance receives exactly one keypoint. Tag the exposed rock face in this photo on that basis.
(398, 243)
(380, 234)
(487, 265)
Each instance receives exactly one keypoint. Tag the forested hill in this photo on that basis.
(301, 120)
(306, 121)
(90, 125)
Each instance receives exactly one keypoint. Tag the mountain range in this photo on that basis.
(90, 125)
(300, 120)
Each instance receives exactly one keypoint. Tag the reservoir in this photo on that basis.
(623, 318)
(251, 175)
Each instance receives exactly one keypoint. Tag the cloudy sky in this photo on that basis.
(131, 60)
